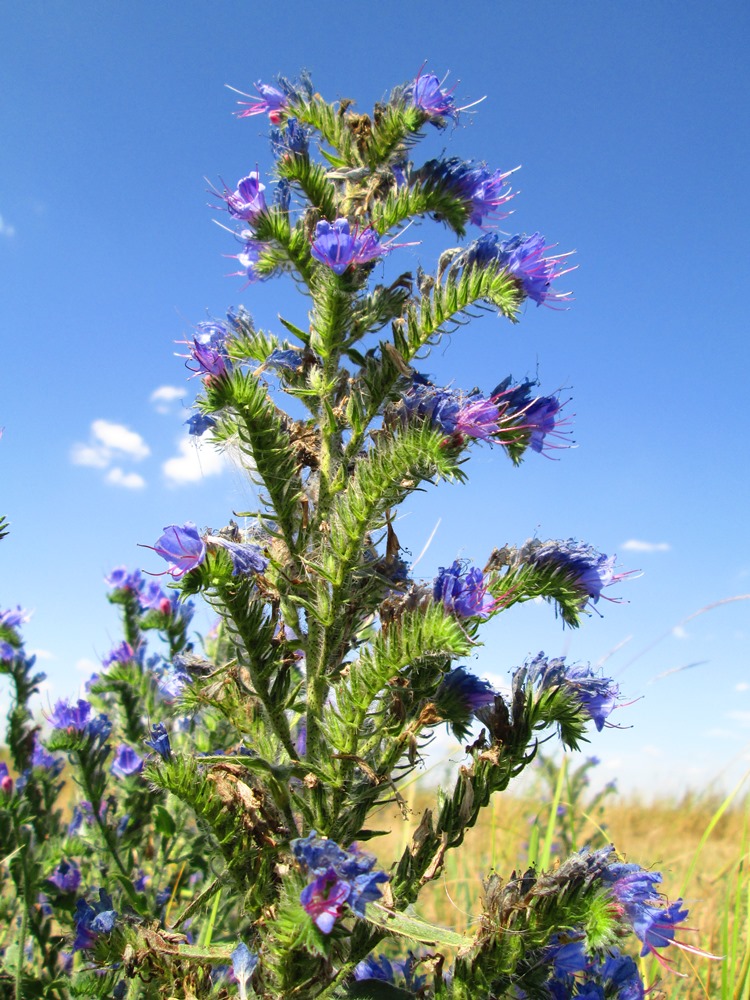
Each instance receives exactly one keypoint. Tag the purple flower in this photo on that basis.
(91, 921)
(459, 696)
(246, 558)
(293, 138)
(375, 968)
(13, 619)
(324, 899)
(270, 101)
(244, 962)
(247, 202)
(584, 567)
(621, 972)
(337, 247)
(317, 853)
(478, 419)
(123, 653)
(598, 696)
(483, 190)
(639, 902)
(212, 333)
(40, 757)
(284, 361)
(342, 877)
(67, 876)
(440, 406)
(126, 762)
(523, 257)
(160, 741)
(172, 680)
(65, 716)
(6, 782)
(210, 361)
(463, 591)
(428, 95)
(122, 578)
(199, 423)
(182, 547)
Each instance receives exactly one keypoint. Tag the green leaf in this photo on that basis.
(407, 925)
(163, 822)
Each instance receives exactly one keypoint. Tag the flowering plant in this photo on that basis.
(215, 846)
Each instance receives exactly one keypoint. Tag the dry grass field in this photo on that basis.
(708, 872)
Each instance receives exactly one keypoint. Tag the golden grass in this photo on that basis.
(664, 835)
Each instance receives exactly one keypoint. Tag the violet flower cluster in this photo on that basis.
(343, 878)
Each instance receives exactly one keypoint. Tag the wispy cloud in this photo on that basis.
(196, 461)
(163, 397)
(107, 442)
(638, 545)
(679, 632)
(742, 686)
(6, 229)
(739, 716)
(128, 480)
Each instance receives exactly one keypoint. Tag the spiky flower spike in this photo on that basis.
(224, 786)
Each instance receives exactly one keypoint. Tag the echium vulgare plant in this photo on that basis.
(214, 843)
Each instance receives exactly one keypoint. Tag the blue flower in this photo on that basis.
(199, 423)
(244, 962)
(324, 899)
(126, 762)
(598, 696)
(284, 361)
(66, 716)
(160, 741)
(440, 406)
(122, 578)
(270, 101)
(66, 877)
(293, 138)
(438, 104)
(247, 202)
(478, 419)
(246, 557)
(483, 190)
(123, 653)
(459, 696)
(182, 547)
(523, 257)
(337, 247)
(463, 591)
(92, 920)
(342, 877)
(40, 757)
(586, 569)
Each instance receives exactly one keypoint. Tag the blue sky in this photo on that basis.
(627, 120)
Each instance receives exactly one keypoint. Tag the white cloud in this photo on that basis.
(721, 734)
(164, 396)
(195, 461)
(6, 229)
(637, 545)
(107, 442)
(90, 454)
(739, 716)
(88, 666)
(128, 480)
(679, 632)
(742, 686)
(119, 438)
(42, 654)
